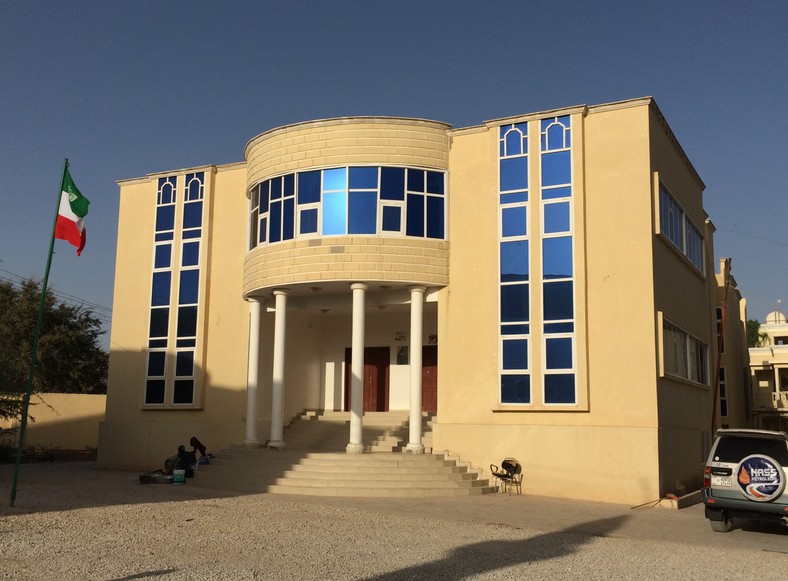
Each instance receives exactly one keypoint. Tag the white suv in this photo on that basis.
(745, 477)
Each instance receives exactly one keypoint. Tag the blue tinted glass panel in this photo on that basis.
(154, 391)
(514, 261)
(187, 321)
(160, 296)
(194, 187)
(414, 224)
(515, 354)
(515, 389)
(275, 222)
(559, 353)
(308, 187)
(435, 182)
(556, 217)
(556, 168)
(184, 363)
(514, 198)
(264, 198)
(514, 142)
(185, 342)
(559, 328)
(392, 183)
(263, 229)
(392, 219)
(553, 193)
(555, 138)
(165, 218)
(558, 301)
(192, 215)
(363, 215)
(159, 322)
(163, 257)
(363, 178)
(335, 179)
(557, 257)
(191, 254)
(288, 184)
(334, 213)
(157, 343)
(193, 233)
(515, 329)
(276, 188)
(514, 173)
(435, 225)
(308, 221)
(288, 219)
(415, 180)
(166, 187)
(163, 236)
(559, 388)
(190, 282)
(183, 391)
(156, 361)
(514, 303)
(513, 221)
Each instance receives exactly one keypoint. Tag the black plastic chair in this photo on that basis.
(508, 476)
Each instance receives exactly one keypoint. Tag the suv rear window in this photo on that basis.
(733, 449)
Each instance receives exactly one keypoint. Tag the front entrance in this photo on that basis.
(376, 379)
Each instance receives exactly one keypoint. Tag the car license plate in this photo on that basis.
(721, 481)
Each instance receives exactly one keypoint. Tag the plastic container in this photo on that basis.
(178, 476)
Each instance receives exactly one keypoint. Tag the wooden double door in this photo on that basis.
(377, 361)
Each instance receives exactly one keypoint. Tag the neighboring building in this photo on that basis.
(545, 282)
(769, 368)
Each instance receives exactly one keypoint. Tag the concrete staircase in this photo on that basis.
(315, 462)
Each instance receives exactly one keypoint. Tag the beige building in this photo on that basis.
(769, 368)
(544, 282)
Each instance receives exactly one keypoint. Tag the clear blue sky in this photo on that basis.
(128, 88)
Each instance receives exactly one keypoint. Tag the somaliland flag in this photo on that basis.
(71, 214)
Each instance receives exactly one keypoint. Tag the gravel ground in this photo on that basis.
(71, 521)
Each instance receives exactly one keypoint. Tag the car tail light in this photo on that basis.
(707, 477)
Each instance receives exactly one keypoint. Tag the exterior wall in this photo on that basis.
(67, 421)
(769, 375)
(136, 436)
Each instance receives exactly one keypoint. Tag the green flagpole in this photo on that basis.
(36, 335)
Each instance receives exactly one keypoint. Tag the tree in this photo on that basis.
(69, 360)
(755, 338)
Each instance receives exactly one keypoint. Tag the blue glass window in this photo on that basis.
(157, 343)
(163, 258)
(513, 198)
(335, 179)
(515, 354)
(414, 225)
(514, 261)
(187, 292)
(263, 229)
(264, 198)
(192, 215)
(154, 391)
(363, 178)
(556, 168)
(556, 217)
(557, 257)
(515, 329)
(558, 300)
(308, 187)
(276, 188)
(288, 219)
(559, 388)
(554, 193)
(165, 218)
(514, 303)
(363, 212)
(183, 391)
(334, 213)
(559, 353)
(392, 183)
(194, 186)
(159, 322)
(193, 233)
(275, 222)
(288, 185)
(186, 342)
(184, 363)
(308, 221)
(514, 221)
(415, 180)
(513, 142)
(559, 328)
(187, 321)
(163, 236)
(156, 361)
(160, 296)
(435, 182)
(191, 254)
(434, 217)
(392, 219)
(515, 389)
(514, 173)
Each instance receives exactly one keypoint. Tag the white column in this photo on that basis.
(416, 330)
(355, 445)
(252, 374)
(277, 395)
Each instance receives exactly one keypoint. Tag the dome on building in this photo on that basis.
(776, 318)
